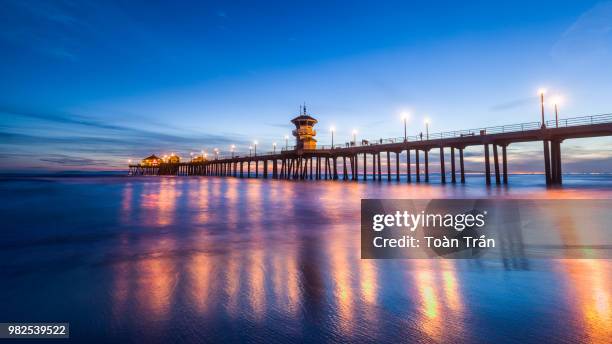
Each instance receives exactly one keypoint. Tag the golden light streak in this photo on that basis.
(589, 283)
(257, 287)
(202, 282)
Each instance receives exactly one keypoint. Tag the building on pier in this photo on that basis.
(173, 159)
(304, 131)
(152, 160)
(199, 158)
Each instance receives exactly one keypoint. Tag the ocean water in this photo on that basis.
(209, 259)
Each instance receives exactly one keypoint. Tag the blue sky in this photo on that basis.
(88, 85)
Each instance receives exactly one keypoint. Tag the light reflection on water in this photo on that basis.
(588, 281)
(210, 259)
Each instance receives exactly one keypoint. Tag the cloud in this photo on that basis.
(69, 31)
(279, 125)
(51, 28)
(73, 161)
(123, 132)
(588, 39)
(86, 143)
(59, 118)
(513, 104)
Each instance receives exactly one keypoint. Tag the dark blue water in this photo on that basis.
(169, 259)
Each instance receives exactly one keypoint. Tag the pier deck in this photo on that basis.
(294, 163)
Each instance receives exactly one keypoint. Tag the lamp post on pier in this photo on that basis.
(405, 118)
(286, 142)
(255, 144)
(557, 100)
(355, 137)
(541, 92)
(427, 128)
(332, 129)
(232, 148)
(274, 147)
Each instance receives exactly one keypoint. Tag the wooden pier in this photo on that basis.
(342, 162)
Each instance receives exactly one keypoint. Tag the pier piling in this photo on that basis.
(442, 167)
(417, 165)
(426, 165)
(453, 172)
(496, 164)
(547, 162)
(487, 164)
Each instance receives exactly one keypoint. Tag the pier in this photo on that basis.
(349, 161)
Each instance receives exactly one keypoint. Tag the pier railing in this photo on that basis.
(508, 128)
(584, 120)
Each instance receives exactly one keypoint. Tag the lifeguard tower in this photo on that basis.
(304, 132)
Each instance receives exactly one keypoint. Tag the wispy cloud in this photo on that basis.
(47, 27)
(81, 142)
(279, 125)
(122, 131)
(61, 159)
(513, 104)
(588, 39)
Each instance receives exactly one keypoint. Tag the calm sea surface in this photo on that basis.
(197, 259)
